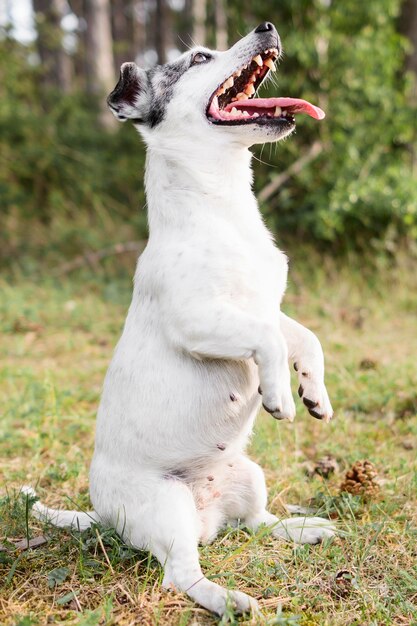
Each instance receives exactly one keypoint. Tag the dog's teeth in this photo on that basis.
(255, 114)
(241, 96)
(234, 111)
(284, 114)
(250, 90)
(215, 102)
(245, 113)
(277, 111)
(228, 83)
(258, 60)
(237, 74)
(252, 79)
(269, 63)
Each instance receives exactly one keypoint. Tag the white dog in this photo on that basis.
(204, 340)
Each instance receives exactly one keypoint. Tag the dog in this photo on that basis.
(204, 343)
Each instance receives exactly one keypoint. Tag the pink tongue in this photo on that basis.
(292, 105)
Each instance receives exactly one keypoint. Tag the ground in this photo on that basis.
(57, 339)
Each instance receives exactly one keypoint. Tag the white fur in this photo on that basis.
(203, 331)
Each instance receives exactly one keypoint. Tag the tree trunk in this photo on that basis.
(139, 27)
(100, 72)
(408, 27)
(161, 31)
(80, 57)
(185, 27)
(123, 26)
(55, 61)
(199, 22)
(99, 43)
(221, 42)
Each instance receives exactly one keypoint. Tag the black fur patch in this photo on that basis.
(162, 80)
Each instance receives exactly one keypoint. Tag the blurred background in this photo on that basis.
(71, 177)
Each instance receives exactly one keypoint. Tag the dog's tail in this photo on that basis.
(64, 519)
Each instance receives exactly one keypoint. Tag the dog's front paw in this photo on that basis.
(314, 395)
(279, 404)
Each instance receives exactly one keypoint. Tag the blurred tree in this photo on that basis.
(139, 27)
(161, 31)
(220, 20)
(56, 63)
(79, 56)
(199, 36)
(123, 31)
(99, 46)
(185, 26)
(408, 27)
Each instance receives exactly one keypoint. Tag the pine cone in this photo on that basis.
(326, 466)
(361, 479)
(343, 583)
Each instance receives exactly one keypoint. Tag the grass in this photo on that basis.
(57, 339)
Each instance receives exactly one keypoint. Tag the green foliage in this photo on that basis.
(67, 185)
(64, 180)
(15, 508)
(347, 58)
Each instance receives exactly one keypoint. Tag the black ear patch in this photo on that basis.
(130, 98)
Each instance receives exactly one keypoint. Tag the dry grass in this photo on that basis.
(57, 341)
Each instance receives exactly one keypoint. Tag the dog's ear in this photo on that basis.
(130, 99)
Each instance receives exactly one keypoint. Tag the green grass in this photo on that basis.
(57, 340)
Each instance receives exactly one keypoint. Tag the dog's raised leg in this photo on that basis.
(305, 352)
(167, 524)
(222, 331)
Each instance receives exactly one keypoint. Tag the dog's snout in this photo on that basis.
(269, 34)
(265, 27)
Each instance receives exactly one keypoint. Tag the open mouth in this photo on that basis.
(234, 103)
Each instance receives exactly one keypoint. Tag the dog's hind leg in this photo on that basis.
(168, 525)
(245, 499)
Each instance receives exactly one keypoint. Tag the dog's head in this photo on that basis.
(208, 94)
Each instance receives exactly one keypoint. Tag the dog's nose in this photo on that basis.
(264, 27)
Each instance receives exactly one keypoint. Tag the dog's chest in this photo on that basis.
(249, 269)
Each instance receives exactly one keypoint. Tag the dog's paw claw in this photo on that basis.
(310, 404)
(276, 413)
(314, 396)
(313, 413)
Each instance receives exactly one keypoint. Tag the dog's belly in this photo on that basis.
(164, 409)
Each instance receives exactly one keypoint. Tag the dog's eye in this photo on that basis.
(200, 57)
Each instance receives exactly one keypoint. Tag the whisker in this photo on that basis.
(187, 45)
